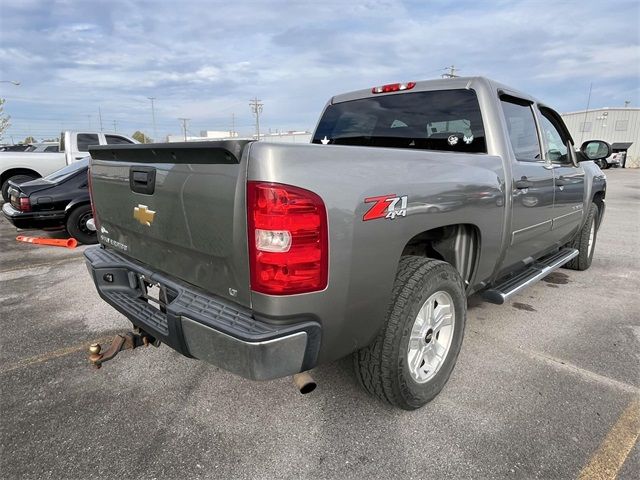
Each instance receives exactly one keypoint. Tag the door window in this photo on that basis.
(555, 142)
(521, 126)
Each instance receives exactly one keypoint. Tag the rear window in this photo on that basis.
(446, 120)
(66, 172)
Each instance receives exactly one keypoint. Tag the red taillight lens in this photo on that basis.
(25, 204)
(93, 209)
(288, 239)
(393, 87)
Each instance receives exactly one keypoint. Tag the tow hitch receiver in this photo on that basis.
(127, 341)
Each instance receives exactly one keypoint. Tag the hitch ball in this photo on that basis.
(95, 348)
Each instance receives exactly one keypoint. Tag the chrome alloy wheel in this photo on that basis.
(592, 234)
(431, 337)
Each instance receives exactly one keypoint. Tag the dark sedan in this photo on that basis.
(56, 202)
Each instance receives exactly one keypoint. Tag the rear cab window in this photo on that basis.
(443, 120)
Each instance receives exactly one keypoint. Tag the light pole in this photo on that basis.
(153, 116)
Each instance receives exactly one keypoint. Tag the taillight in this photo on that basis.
(93, 209)
(288, 239)
(393, 87)
(25, 204)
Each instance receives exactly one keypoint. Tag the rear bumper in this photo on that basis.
(203, 326)
(55, 219)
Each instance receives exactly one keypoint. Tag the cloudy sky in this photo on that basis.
(205, 60)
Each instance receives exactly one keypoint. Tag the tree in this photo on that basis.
(4, 119)
(141, 137)
(29, 139)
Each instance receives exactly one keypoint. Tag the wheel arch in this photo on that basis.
(17, 171)
(74, 204)
(457, 244)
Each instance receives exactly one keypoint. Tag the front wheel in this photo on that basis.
(77, 225)
(585, 241)
(412, 357)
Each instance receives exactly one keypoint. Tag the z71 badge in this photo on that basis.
(386, 206)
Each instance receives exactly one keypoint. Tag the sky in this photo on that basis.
(204, 60)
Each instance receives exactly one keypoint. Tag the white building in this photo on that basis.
(618, 126)
(287, 137)
(205, 135)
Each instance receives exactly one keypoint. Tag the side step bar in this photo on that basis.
(504, 291)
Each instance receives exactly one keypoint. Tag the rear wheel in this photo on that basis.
(21, 178)
(77, 225)
(412, 357)
(585, 241)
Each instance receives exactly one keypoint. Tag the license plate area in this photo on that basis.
(156, 294)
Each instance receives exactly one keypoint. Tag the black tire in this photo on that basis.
(605, 165)
(382, 367)
(581, 241)
(77, 225)
(21, 178)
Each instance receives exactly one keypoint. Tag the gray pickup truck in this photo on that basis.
(270, 259)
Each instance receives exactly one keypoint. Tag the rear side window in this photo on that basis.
(116, 140)
(522, 130)
(52, 148)
(446, 120)
(86, 139)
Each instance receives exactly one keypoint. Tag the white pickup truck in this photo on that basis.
(24, 166)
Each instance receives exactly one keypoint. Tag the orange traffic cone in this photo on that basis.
(64, 242)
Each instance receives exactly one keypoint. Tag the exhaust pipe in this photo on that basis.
(304, 382)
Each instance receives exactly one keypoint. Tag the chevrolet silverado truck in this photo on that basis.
(270, 259)
(19, 167)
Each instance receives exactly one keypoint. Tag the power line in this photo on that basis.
(256, 108)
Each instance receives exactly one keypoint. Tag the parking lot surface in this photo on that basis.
(546, 386)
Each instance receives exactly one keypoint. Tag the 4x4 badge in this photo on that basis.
(386, 206)
(144, 215)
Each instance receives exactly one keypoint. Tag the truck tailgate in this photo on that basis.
(177, 208)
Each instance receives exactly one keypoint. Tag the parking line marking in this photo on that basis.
(564, 366)
(607, 461)
(44, 357)
(39, 265)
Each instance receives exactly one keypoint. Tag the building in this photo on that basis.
(205, 135)
(300, 136)
(618, 126)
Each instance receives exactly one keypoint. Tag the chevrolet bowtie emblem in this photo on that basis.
(143, 215)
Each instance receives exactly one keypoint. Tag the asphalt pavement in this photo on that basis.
(546, 386)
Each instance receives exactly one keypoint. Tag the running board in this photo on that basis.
(504, 291)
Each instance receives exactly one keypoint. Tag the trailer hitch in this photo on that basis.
(127, 341)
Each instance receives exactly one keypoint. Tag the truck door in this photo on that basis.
(532, 185)
(568, 176)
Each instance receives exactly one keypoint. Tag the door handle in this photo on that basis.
(523, 183)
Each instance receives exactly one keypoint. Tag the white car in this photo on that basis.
(29, 165)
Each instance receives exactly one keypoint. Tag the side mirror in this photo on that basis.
(595, 150)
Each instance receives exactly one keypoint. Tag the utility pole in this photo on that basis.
(627, 103)
(115, 126)
(233, 125)
(184, 126)
(452, 72)
(256, 108)
(153, 116)
(100, 117)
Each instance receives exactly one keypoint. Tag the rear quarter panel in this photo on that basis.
(364, 255)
